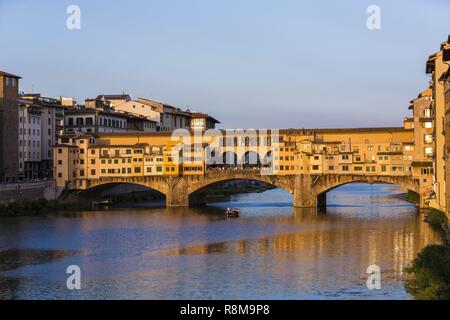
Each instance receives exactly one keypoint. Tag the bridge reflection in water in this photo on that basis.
(272, 251)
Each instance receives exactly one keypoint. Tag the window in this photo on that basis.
(428, 138)
(428, 125)
(315, 168)
(383, 168)
(93, 172)
(428, 151)
(345, 168)
(358, 168)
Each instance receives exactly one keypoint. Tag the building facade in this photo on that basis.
(423, 147)
(90, 120)
(202, 121)
(9, 130)
(171, 118)
(437, 67)
(41, 121)
(142, 109)
(371, 151)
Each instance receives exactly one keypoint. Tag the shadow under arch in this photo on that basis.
(199, 196)
(117, 189)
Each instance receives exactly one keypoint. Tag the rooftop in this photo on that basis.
(196, 114)
(113, 96)
(6, 74)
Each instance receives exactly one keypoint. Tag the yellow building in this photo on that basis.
(437, 68)
(371, 151)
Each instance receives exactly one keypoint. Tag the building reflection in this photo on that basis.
(336, 243)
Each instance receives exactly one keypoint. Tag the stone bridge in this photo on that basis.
(307, 190)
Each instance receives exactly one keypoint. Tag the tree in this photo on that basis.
(429, 275)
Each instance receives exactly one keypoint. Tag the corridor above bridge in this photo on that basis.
(83, 161)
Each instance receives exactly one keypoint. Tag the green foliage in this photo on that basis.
(33, 207)
(23, 207)
(429, 275)
(436, 218)
(412, 197)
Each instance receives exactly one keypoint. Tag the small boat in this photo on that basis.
(232, 213)
(101, 204)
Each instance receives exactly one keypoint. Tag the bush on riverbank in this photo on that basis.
(429, 275)
(33, 207)
(412, 197)
(436, 218)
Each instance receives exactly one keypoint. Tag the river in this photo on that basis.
(272, 251)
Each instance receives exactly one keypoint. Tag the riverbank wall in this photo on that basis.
(30, 191)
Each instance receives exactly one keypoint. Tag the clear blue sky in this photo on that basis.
(252, 64)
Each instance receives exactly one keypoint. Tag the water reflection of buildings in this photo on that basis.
(326, 245)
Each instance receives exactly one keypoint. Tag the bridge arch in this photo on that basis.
(197, 188)
(152, 183)
(324, 184)
(329, 182)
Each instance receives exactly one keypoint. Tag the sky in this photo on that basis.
(250, 64)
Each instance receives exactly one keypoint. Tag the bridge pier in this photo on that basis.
(303, 195)
(177, 194)
(322, 200)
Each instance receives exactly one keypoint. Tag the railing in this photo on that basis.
(26, 185)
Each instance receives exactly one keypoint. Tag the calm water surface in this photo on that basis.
(272, 252)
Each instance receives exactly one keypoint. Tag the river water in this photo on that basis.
(272, 251)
